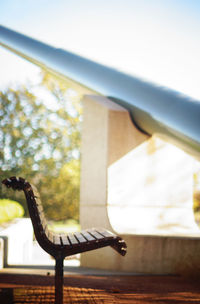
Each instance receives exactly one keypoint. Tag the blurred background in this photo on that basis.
(40, 117)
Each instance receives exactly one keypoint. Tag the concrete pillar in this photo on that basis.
(139, 187)
(99, 150)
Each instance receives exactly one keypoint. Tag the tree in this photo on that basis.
(41, 142)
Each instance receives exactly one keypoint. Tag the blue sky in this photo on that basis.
(154, 40)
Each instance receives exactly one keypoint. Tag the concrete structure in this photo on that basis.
(150, 206)
(153, 192)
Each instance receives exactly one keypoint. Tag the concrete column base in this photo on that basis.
(150, 255)
(153, 188)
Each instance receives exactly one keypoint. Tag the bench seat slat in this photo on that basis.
(97, 235)
(80, 237)
(88, 236)
(56, 239)
(72, 239)
(64, 240)
(105, 233)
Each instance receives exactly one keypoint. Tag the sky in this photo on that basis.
(156, 40)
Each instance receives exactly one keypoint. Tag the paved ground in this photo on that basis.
(98, 289)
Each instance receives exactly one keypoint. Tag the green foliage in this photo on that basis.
(9, 210)
(62, 192)
(68, 226)
(196, 197)
(40, 141)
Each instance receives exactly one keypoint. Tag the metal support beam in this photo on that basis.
(154, 109)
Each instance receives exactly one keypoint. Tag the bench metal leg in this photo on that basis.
(59, 281)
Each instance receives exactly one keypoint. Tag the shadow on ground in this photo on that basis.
(80, 289)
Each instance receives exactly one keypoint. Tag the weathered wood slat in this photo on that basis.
(43, 219)
(39, 205)
(72, 239)
(65, 240)
(97, 235)
(88, 236)
(105, 233)
(50, 236)
(80, 237)
(46, 230)
(56, 239)
(35, 190)
(39, 209)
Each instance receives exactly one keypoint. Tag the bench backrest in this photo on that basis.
(36, 212)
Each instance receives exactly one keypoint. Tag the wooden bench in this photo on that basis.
(60, 246)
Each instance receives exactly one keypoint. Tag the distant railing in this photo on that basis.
(154, 110)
